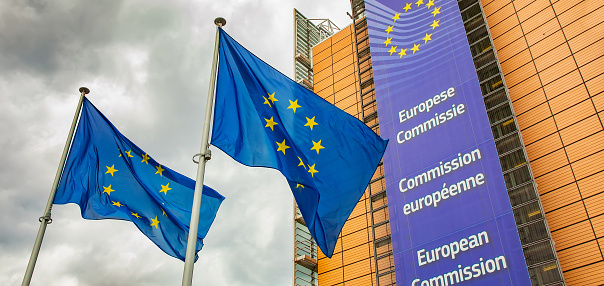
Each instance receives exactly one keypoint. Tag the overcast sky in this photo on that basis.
(147, 64)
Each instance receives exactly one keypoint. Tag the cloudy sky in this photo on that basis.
(147, 64)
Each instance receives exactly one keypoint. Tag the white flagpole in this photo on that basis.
(46, 219)
(187, 277)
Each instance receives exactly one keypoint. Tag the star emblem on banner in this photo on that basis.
(401, 50)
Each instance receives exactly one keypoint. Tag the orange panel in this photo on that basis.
(592, 69)
(357, 269)
(587, 37)
(590, 53)
(518, 60)
(359, 209)
(562, 6)
(520, 4)
(543, 31)
(560, 197)
(487, 2)
(356, 238)
(563, 84)
(504, 53)
(590, 275)
(496, 7)
(525, 87)
(581, 129)
(534, 116)
(577, 27)
(544, 146)
(520, 74)
(558, 70)
(345, 34)
(566, 216)
(585, 147)
(588, 166)
(331, 277)
(507, 38)
(574, 114)
(581, 9)
(549, 163)
(356, 254)
(579, 255)
(319, 86)
(555, 55)
(591, 185)
(568, 99)
(325, 74)
(554, 180)
(503, 25)
(329, 264)
(595, 205)
(319, 66)
(595, 87)
(538, 131)
(343, 63)
(363, 280)
(533, 8)
(543, 46)
(540, 17)
(573, 235)
(529, 101)
(342, 52)
(321, 51)
(347, 92)
(598, 223)
(344, 72)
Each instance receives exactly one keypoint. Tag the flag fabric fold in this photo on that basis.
(263, 118)
(109, 177)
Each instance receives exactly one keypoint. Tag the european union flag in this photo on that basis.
(262, 118)
(111, 178)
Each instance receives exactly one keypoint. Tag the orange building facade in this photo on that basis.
(551, 54)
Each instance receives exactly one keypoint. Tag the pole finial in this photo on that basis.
(220, 22)
(84, 90)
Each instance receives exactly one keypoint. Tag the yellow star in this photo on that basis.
(310, 122)
(159, 170)
(317, 146)
(392, 50)
(415, 48)
(299, 185)
(282, 147)
(407, 7)
(301, 163)
(311, 170)
(117, 204)
(419, 2)
(388, 41)
(272, 98)
(108, 190)
(111, 170)
(155, 222)
(430, 4)
(293, 105)
(427, 38)
(434, 24)
(145, 159)
(436, 11)
(266, 102)
(402, 53)
(389, 29)
(270, 123)
(128, 153)
(165, 188)
(163, 212)
(396, 16)
(135, 215)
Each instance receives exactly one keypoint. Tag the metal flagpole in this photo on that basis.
(46, 219)
(187, 277)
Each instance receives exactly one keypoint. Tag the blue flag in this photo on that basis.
(263, 118)
(111, 178)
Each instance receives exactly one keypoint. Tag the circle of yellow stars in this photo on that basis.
(416, 46)
(111, 170)
(270, 100)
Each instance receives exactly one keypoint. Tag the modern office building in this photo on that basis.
(540, 68)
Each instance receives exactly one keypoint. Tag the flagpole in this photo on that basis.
(46, 219)
(187, 277)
